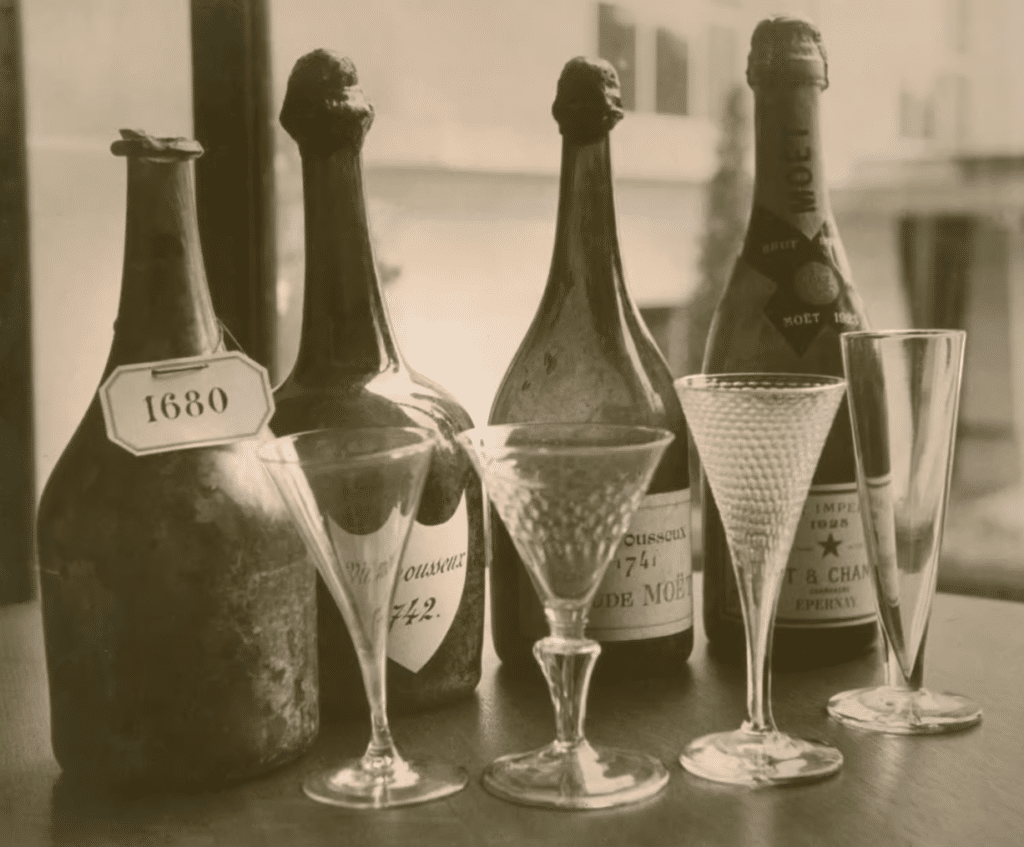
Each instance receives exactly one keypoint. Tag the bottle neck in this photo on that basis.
(165, 310)
(789, 175)
(345, 325)
(586, 256)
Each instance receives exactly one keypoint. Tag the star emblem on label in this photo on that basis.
(830, 546)
(810, 288)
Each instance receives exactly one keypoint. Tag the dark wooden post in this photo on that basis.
(17, 457)
(231, 86)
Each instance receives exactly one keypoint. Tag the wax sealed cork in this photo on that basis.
(587, 102)
(324, 107)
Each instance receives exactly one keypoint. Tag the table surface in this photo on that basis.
(960, 789)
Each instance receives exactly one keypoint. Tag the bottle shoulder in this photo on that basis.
(782, 322)
(99, 487)
(395, 398)
(400, 397)
(572, 367)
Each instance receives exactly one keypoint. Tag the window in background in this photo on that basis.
(671, 91)
(959, 25)
(616, 42)
(916, 117)
(721, 68)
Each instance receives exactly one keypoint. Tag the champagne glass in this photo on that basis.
(566, 494)
(904, 395)
(759, 437)
(353, 495)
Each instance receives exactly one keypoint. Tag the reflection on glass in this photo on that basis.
(904, 398)
(759, 437)
(353, 496)
(566, 493)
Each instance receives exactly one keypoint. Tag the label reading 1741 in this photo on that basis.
(646, 591)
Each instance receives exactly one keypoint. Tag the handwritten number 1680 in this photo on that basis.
(169, 408)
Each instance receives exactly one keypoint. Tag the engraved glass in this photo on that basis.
(759, 437)
(566, 494)
(353, 495)
(904, 395)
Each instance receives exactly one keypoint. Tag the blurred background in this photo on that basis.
(923, 127)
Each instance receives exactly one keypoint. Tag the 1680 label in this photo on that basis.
(176, 404)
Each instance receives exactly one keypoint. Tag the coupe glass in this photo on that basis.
(566, 494)
(759, 437)
(353, 495)
(904, 395)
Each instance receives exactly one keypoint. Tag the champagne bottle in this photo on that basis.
(349, 373)
(588, 356)
(177, 599)
(789, 298)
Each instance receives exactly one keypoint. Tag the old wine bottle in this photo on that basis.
(178, 604)
(787, 302)
(588, 356)
(350, 373)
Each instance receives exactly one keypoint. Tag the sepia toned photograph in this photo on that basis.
(550, 421)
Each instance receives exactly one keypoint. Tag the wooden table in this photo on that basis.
(961, 789)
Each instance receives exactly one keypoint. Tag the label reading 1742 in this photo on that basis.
(428, 590)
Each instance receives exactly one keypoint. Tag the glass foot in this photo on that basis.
(355, 786)
(575, 777)
(899, 712)
(744, 757)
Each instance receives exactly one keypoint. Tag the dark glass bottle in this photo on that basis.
(588, 356)
(178, 603)
(350, 373)
(789, 298)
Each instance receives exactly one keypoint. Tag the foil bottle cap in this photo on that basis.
(786, 51)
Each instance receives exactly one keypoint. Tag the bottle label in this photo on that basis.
(807, 275)
(828, 581)
(428, 590)
(646, 591)
(177, 404)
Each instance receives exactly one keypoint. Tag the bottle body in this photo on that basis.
(787, 301)
(587, 356)
(350, 373)
(178, 603)
(436, 634)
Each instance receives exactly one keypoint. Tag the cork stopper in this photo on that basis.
(138, 143)
(786, 51)
(324, 108)
(587, 103)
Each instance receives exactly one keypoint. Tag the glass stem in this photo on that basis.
(758, 602)
(380, 754)
(894, 675)
(567, 659)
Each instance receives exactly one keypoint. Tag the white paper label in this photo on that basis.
(177, 404)
(828, 578)
(428, 591)
(646, 591)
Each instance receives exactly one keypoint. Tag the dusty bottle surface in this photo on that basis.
(349, 373)
(789, 298)
(178, 603)
(588, 356)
